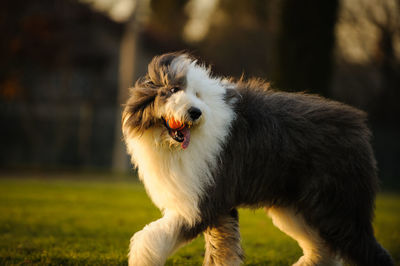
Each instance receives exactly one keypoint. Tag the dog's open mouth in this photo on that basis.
(178, 131)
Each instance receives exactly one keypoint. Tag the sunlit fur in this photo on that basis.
(305, 159)
(175, 180)
(315, 250)
(156, 241)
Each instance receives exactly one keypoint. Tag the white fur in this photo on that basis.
(156, 241)
(314, 249)
(174, 178)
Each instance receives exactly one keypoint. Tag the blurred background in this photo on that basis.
(65, 66)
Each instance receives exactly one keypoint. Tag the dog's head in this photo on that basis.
(174, 99)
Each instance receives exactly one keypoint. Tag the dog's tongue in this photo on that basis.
(186, 137)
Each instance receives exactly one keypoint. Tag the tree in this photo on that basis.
(305, 45)
(129, 58)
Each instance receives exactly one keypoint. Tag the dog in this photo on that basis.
(205, 145)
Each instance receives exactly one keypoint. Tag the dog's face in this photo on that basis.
(173, 101)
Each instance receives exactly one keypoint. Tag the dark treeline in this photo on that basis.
(61, 70)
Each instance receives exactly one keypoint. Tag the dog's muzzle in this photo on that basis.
(180, 134)
(194, 113)
(180, 131)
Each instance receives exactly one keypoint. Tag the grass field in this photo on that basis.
(87, 222)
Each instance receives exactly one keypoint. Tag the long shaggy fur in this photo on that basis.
(307, 160)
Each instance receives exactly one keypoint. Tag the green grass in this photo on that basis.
(89, 222)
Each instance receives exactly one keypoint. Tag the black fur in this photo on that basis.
(305, 152)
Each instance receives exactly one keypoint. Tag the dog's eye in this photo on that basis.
(174, 89)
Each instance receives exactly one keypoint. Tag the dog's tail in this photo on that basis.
(365, 250)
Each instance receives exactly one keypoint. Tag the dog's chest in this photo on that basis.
(175, 180)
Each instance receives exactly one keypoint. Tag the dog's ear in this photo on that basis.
(160, 71)
(138, 114)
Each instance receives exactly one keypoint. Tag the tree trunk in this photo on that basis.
(127, 68)
(305, 45)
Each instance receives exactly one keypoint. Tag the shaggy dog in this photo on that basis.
(306, 160)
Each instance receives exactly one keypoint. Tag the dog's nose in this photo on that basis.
(194, 113)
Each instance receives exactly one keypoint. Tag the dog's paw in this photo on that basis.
(148, 247)
(140, 251)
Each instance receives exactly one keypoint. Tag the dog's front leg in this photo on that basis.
(223, 242)
(156, 241)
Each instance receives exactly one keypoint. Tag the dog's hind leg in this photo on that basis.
(314, 249)
(223, 242)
